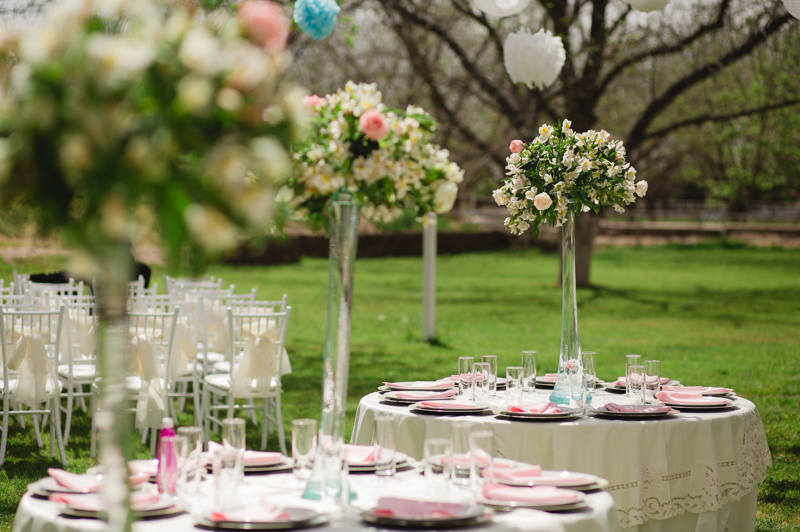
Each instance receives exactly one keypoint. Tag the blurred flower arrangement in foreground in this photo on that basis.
(384, 157)
(111, 104)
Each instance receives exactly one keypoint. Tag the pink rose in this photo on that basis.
(313, 102)
(542, 201)
(516, 146)
(373, 124)
(266, 23)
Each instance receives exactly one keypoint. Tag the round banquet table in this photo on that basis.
(694, 471)
(40, 515)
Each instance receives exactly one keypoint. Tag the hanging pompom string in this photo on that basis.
(534, 59)
(501, 8)
(317, 18)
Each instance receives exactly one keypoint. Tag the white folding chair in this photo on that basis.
(7, 290)
(29, 343)
(256, 340)
(136, 288)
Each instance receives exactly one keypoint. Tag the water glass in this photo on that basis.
(189, 444)
(514, 386)
(492, 380)
(529, 367)
(481, 446)
(436, 452)
(652, 375)
(465, 375)
(385, 450)
(304, 447)
(630, 360)
(589, 372)
(460, 453)
(233, 438)
(226, 467)
(168, 465)
(480, 381)
(636, 385)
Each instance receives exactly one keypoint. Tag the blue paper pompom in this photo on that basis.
(317, 18)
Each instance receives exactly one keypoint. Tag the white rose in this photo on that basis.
(641, 188)
(445, 196)
(542, 201)
(499, 197)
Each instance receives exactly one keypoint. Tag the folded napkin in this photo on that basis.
(696, 389)
(461, 461)
(261, 512)
(517, 473)
(410, 508)
(444, 384)
(622, 381)
(449, 405)
(536, 408)
(550, 377)
(359, 454)
(249, 458)
(690, 398)
(543, 495)
(418, 395)
(533, 475)
(96, 503)
(143, 467)
(74, 482)
(614, 407)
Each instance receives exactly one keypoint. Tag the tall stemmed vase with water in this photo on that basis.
(570, 388)
(329, 466)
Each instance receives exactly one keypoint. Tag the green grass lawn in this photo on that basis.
(713, 314)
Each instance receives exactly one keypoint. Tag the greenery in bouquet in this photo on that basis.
(384, 157)
(106, 105)
(561, 169)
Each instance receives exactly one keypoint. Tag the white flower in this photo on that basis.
(499, 197)
(545, 132)
(444, 196)
(641, 188)
(542, 201)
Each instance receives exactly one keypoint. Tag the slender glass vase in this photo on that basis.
(113, 421)
(330, 465)
(570, 388)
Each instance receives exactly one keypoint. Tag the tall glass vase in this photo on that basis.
(570, 388)
(113, 421)
(329, 465)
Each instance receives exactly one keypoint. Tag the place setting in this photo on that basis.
(410, 397)
(412, 513)
(696, 401)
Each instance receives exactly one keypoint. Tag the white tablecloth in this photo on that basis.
(694, 471)
(37, 515)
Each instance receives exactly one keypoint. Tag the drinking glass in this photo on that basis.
(492, 380)
(384, 445)
(652, 375)
(233, 438)
(304, 447)
(481, 446)
(459, 453)
(514, 387)
(436, 452)
(227, 467)
(168, 465)
(589, 372)
(529, 367)
(465, 375)
(636, 385)
(630, 360)
(190, 447)
(480, 381)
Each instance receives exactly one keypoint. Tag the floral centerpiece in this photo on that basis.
(111, 105)
(558, 174)
(359, 154)
(384, 157)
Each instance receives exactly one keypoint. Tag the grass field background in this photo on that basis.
(714, 314)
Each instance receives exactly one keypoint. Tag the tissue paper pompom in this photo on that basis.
(501, 8)
(534, 59)
(793, 7)
(317, 18)
(646, 6)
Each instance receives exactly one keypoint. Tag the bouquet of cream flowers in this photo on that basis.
(384, 157)
(560, 168)
(112, 104)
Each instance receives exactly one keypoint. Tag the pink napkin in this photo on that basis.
(689, 398)
(399, 507)
(517, 473)
(418, 395)
(621, 381)
(74, 482)
(95, 503)
(550, 377)
(449, 405)
(696, 389)
(497, 463)
(250, 458)
(614, 407)
(536, 408)
(543, 495)
(143, 467)
(444, 384)
(261, 512)
(533, 475)
(359, 454)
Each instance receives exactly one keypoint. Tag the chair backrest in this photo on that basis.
(151, 303)
(79, 331)
(172, 284)
(16, 301)
(258, 306)
(136, 288)
(42, 324)
(159, 327)
(7, 290)
(37, 292)
(19, 282)
(257, 327)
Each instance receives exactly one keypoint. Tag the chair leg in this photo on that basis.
(206, 414)
(37, 434)
(153, 443)
(264, 423)
(93, 433)
(198, 410)
(5, 430)
(279, 425)
(68, 421)
(55, 427)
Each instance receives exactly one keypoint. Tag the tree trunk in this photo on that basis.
(586, 226)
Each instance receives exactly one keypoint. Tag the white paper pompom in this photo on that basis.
(536, 58)
(793, 7)
(648, 5)
(501, 8)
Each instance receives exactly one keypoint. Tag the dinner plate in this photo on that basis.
(49, 485)
(401, 461)
(510, 505)
(392, 396)
(704, 402)
(544, 383)
(166, 507)
(554, 419)
(614, 387)
(632, 416)
(503, 463)
(278, 467)
(298, 518)
(481, 408)
(573, 481)
(566, 412)
(408, 387)
(705, 408)
(472, 515)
